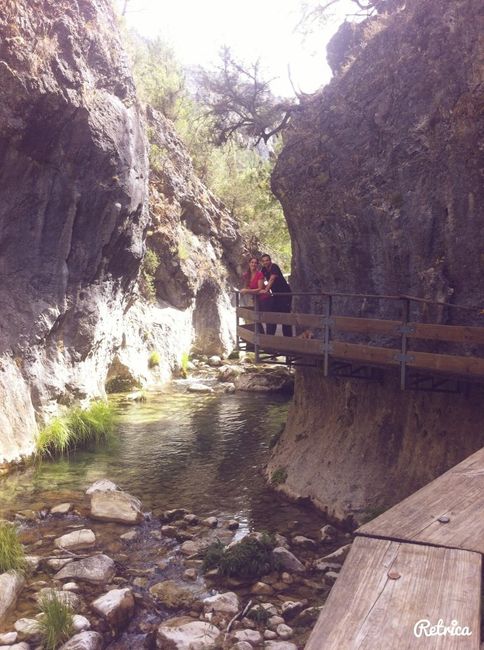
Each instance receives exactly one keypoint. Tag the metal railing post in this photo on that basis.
(237, 305)
(256, 326)
(327, 334)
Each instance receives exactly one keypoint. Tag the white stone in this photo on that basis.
(99, 569)
(83, 538)
(61, 509)
(71, 586)
(251, 636)
(11, 584)
(103, 485)
(113, 505)
(303, 542)
(274, 621)
(337, 556)
(241, 645)
(281, 645)
(33, 562)
(196, 635)
(210, 522)
(227, 603)
(287, 560)
(27, 628)
(8, 638)
(129, 536)
(56, 565)
(80, 623)
(19, 646)
(116, 606)
(199, 388)
(291, 608)
(284, 631)
(84, 641)
(215, 361)
(269, 635)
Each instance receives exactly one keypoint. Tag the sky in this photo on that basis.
(263, 29)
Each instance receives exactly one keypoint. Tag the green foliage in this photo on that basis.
(279, 476)
(56, 622)
(77, 428)
(154, 359)
(185, 357)
(12, 555)
(259, 615)
(150, 264)
(249, 558)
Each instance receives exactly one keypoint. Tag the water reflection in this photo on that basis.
(201, 452)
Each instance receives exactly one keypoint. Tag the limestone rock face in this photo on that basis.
(380, 184)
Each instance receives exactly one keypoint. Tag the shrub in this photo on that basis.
(77, 428)
(56, 622)
(279, 476)
(12, 555)
(154, 359)
(250, 558)
(184, 364)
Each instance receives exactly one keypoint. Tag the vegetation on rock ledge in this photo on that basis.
(251, 558)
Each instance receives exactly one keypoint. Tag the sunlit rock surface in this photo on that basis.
(380, 183)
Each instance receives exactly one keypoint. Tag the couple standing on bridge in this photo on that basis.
(266, 283)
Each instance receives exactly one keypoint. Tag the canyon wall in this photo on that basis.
(380, 179)
(77, 201)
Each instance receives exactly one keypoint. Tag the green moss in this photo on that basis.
(56, 622)
(250, 558)
(77, 428)
(12, 554)
(279, 476)
(154, 359)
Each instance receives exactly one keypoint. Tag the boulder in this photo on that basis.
(11, 584)
(83, 538)
(193, 635)
(102, 485)
(273, 380)
(84, 641)
(171, 594)
(287, 560)
(116, 607)
(114, 505)
(227, 603)
(98, 569)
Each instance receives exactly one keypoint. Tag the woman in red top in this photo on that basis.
(254, 284)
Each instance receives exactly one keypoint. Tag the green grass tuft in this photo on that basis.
(76, 429)
(279, 476)
(154, 359)
(249, 558)
(12, 554)
(56, 622)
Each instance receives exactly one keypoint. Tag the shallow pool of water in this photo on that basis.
(202, 452)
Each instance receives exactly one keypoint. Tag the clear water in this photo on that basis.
(196, 451)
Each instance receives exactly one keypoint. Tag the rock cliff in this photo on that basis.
(381, 185)
(75, 210)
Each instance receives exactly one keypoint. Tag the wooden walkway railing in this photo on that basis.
(327, 331)
(415, 566)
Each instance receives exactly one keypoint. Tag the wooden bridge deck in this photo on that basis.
(420, 560)
(388, 344)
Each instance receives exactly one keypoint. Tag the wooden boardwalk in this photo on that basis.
(419, 561)
(374, 343)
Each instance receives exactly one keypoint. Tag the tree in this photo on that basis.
(240, 101)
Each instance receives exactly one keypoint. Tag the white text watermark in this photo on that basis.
(425, 628)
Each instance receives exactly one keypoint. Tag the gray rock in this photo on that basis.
(328, 532)
(80, 623)
(61, 509)
(11, 584)
(116, 607)
(269, 635)
(250, 636)
(171, 594)
(193, 635)
(291, 607)
(304, 542)
(287, 560)
(226, 603)
(113, 505)
(284, 631)
(280, 645)
(198, 387)
(241, 645)
(102, 485)
(215, 361)
(98, 569)
(84, 641)
(28, 629)
(337, 556)
(210, 522)
(8, 638)
(83, 538)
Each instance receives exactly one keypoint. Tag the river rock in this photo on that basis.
(291, 607)
(11, 584)
(210, 522)
(190, 574)
(194, 546)
(84, 641)
(193, 635)
(330, 577)
(113, 505)
(337, 556)
(287, 560)
(280, 645)
(328, 533)
(28, 629)
(99, 569)
(171, 594)
(241, 645)
(102, 485)
(276, 380)
(229, 373)
(80, 623)
(67, 597)
(173, 515)
(61, 509)
(18, 646)
(226, 603)
(215, 361)
(8, 638)
(129, 536)
(198, 387)
(191, 519)
(250, 636)
(57, 564)
(304, 542)
(116, 607)
(274, 621)
(284, 631)
(307, 617)
(261, 589)
(83, 538)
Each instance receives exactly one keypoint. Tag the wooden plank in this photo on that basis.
(291, 344)
(366, 353)
(366, 326)
(245, 334)
(452, 333)
(246, 313)
(448, 364)
(458, 495)
(367, 610)
(283, 318)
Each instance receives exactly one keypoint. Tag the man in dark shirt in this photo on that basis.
(277, 283)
